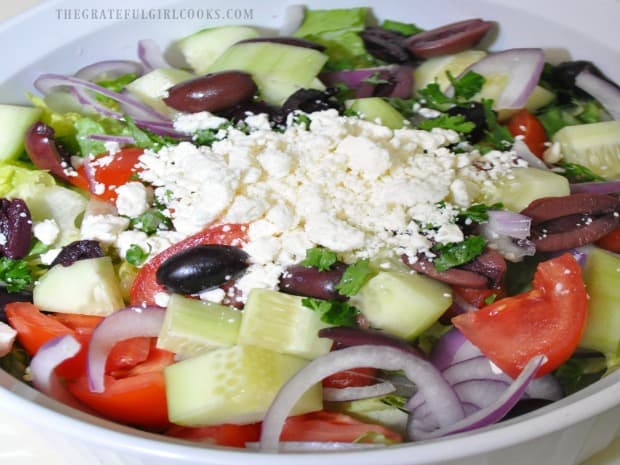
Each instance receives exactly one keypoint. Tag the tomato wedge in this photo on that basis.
(525, 124)
(145, 286)
(108, 172)
(222, 435)
(356, 377)
(548, 320)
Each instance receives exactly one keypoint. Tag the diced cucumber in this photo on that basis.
(273, 66)
(595, 146)
(192, 326)
(232, 385)
(279, 322)
(62, 205)
(202, 48)
(404, 304)
(601, 275)
(14, 121)
(375, 411)
(152, 87)
(377, 110)
(525, 185)
(435, 69)
(87, 287)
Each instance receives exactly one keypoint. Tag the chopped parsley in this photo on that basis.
(320, 258)
(578, 173)
(147, 139)
(333, 312)
(209, 136)
(354, 277)
(302, 119)
(406, 29)
(151, 221)
(457, 253)
(16, 274)
(457, 123)
(136, 255)
(497, 136)
(478, 213)
(490, 299)
(464, 88)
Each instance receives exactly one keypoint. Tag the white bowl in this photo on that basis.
(565, 433)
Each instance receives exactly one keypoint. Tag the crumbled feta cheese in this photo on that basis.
(112, 147)
(3, 239)
(213, 295)
(193, 122)
(132, 199)
(46, 231)
(103, 228)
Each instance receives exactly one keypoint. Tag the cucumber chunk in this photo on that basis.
(14, 121)
(601, 275)
(525, 185)
(273, 65)
(404, 304)
(87, 287)
(435, 69)
(595, 146)
(192, 326)
(202, 48)
(377, 110)
(152, 87)
(232, 385)
(280, 322)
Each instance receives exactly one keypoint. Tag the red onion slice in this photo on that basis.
(488, 415)
(511, 224)
(121, 140)
(42, 366)
(109, 69)
(124, 324)
(523, 66)
(523, 151)
(151, 55)
(357, 393)
(605, 187)
(606, 93)
(480, 393)
(440, 397)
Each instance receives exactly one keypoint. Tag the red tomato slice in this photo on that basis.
(327, 426)
(525, 124)
(548, 320)
(33, 327)
(610, 241)
(137, 400)
(356, 377)
(222, 435)
(145, 286)
(109, 175)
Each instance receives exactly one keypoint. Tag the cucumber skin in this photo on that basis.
(601, 275)
(405, 304)
(14, 121)
(192, 326)
(232, 385)
(374, 108)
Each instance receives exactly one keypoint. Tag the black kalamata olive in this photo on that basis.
(448, 39)
(202, 268)
(7, 297)
(242, 110)
(15, 228)
(294, 41)
(385, 45)
(474, 112)
(311, 100)
(308, 281)
(211, 92)
(78, 250)
(45, 152)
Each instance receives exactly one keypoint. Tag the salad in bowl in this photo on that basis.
(347, 234)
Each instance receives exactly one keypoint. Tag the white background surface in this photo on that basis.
(19, 445)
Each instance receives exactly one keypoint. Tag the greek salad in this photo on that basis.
(352, 234)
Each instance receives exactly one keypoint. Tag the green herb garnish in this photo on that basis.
(457, 123)
(151, 221)
(354, 277)
(457, 253)
(136, 255)
(333, 312)
(406, 29)
(478, 213)
(578, 173)
(16, 274)
(320, 258)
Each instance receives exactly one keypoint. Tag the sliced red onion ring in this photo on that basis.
(42, 366)
(480, 393)
(46, 83)
(451, 348)
(606, 93)
(121, 140)
(488, 415)
(109, 69)
(524, 152)
(604, 187)
(440, 397)
(151, 55)
(123, 324)
(357, 393)
(511, 224)
(400, 75)
(523, 66)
